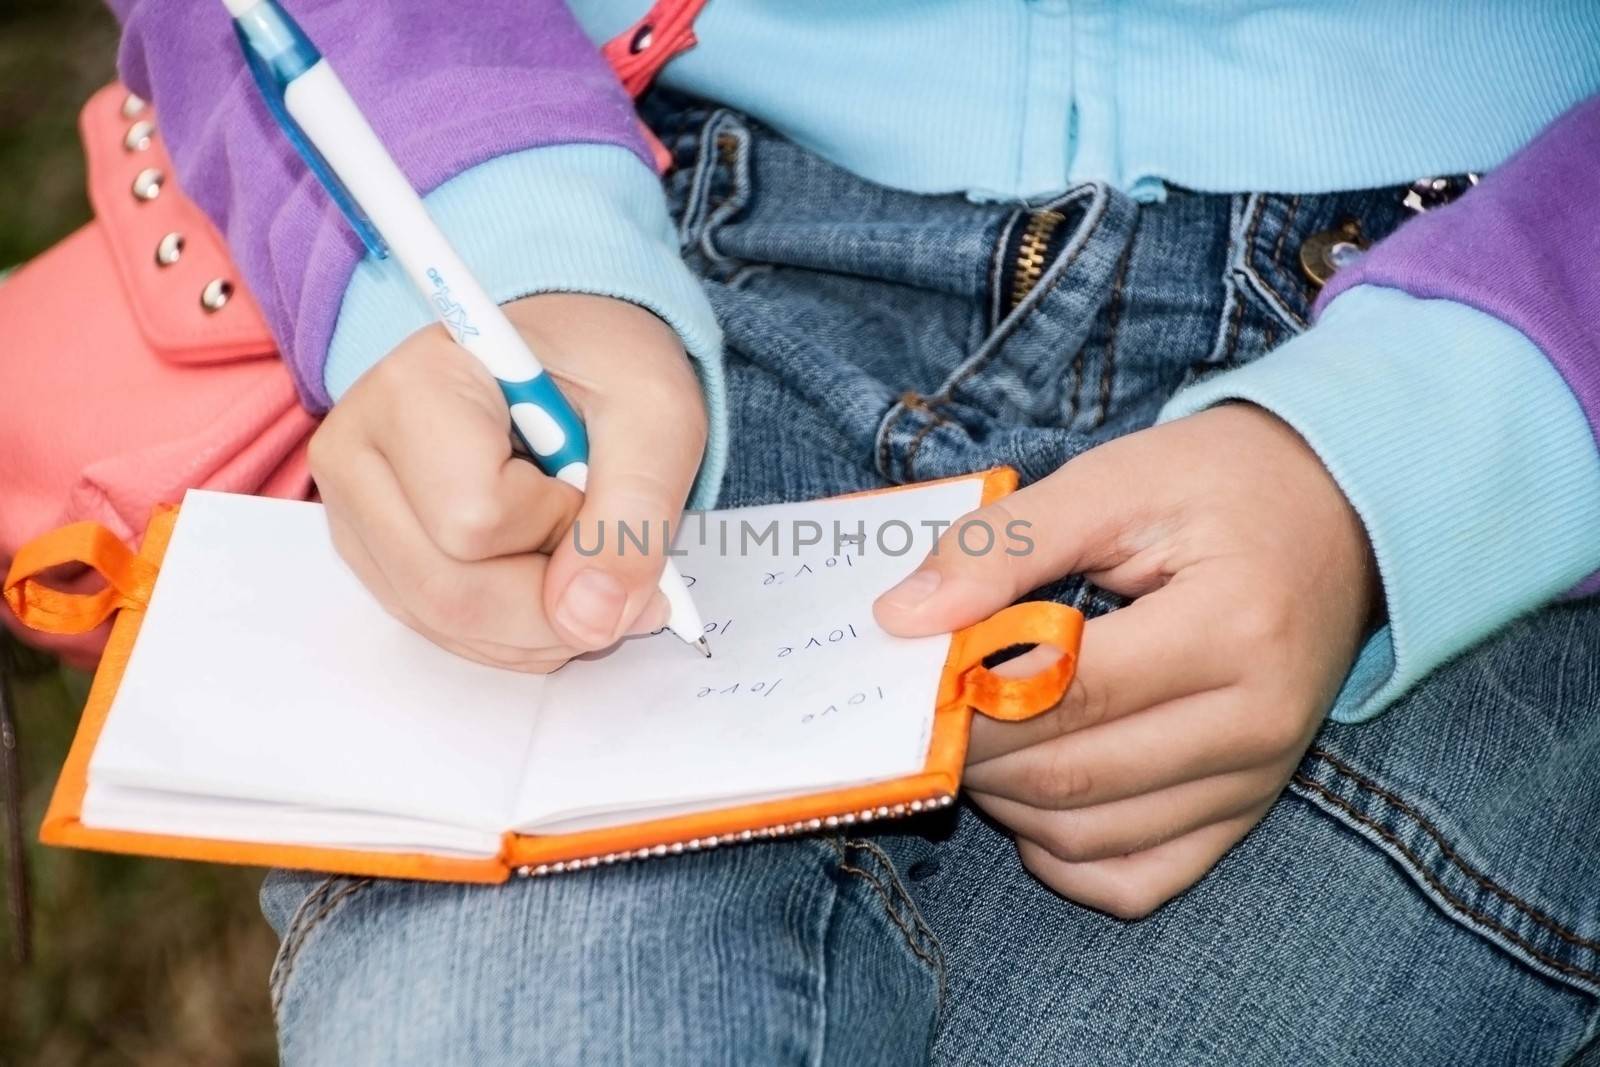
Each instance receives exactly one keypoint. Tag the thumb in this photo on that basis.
(989, 558)
(602, 578)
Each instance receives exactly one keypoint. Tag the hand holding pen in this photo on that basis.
(407, 413)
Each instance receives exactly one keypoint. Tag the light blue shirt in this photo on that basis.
(1023, 98)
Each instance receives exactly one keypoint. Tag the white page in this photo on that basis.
(804, 690)
(265, 672)
(277, 822)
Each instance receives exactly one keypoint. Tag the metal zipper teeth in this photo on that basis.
(739, 837)
(1032, 253)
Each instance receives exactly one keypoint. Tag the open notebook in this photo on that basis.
(258, 705)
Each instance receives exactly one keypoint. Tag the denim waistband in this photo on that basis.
(1130, 302)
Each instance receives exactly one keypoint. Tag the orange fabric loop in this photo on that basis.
(129, 579)
(1033, 623)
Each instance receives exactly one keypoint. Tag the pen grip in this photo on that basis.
(548, 427)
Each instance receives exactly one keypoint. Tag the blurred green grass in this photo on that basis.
(135, 961)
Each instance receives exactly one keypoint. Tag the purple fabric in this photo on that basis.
(1524, 246)
(445, 89)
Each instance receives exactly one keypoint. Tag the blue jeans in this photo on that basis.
(1426, 891)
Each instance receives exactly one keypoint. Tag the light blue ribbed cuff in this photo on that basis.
(579, 218)
(1463, 451)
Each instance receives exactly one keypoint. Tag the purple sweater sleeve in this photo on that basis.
(445, 93)
(1524, 246)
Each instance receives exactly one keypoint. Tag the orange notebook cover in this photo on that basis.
(132, 578)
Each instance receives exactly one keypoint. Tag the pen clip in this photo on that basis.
(270, 82)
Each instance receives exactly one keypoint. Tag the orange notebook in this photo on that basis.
(256, 706)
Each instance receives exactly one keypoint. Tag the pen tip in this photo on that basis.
(705, 649)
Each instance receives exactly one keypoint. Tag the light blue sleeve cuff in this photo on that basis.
(577, 218)
(1463, 451)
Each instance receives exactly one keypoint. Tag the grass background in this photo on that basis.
(135, 961)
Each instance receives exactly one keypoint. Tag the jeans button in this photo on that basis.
(1326, 252)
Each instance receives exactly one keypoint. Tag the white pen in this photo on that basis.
(337, 143)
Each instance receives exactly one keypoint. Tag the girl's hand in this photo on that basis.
(473, 547)
(1191, 706)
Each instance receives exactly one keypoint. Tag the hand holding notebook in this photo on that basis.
(256, 704)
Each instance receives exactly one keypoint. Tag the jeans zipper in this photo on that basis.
(1032, 250)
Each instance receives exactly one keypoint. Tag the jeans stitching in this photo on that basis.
(1073, 401)
(1439, 887)
(842, 850)
(1235, 328)
(738, 177)
(996, 269)
(693, 197)
(900, 888)
(1226, 341)
(935, 420)
(908, 402)
(1113, 323)
(301, 929)
(1081, 241)
(929, 938)
(298, 932)
(1099, 205)
(912, 940)
(741, 277)
(1481, 880)
(1244, 267)
(906, 931)
(1256, 276)
(885, 432)
(1222, 354)
(1283, 230)
(918, 937)
(698, 194)
(291, 931)
(1098, 209)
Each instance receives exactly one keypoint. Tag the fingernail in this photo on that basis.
(653, 617)
(913, 591)
(592, 605)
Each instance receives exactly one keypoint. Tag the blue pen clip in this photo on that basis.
(277, 52)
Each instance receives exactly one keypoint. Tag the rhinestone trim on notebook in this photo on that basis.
(739, 837)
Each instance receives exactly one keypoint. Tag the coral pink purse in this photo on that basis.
(145, 367)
